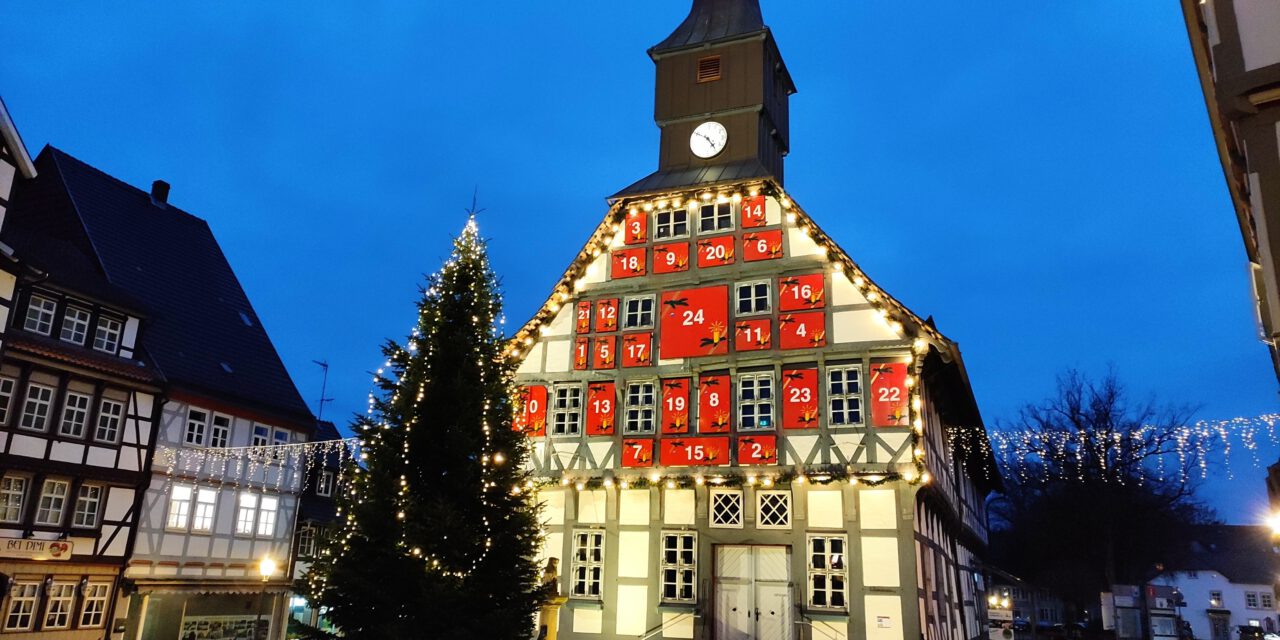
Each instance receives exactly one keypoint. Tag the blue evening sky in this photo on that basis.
(1039, 177)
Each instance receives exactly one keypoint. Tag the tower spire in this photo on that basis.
(713, 21)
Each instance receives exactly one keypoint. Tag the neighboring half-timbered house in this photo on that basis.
(739, 434)
(15, 164)
(213, 505)
(318, 513)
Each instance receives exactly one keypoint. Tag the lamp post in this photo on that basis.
(266, 567)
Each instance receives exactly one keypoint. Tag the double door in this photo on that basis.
(753, 593)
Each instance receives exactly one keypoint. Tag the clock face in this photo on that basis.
(708, 139)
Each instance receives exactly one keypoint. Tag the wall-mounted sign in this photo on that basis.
(31, 549)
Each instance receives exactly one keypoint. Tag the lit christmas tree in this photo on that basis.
(434, 540)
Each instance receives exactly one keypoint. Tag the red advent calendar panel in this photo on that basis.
(637, 453)
(581, 352)
(714, 404)
(695, 452)
(753, 212)
(801, 293)
(802, 330)
(757, 450)
(637, 350)
(532, 418)
(636, 228)
(715, 252)
(695, 322)
(799, 398)
(671, 258)
(889, 395)
(601, 407)
(628, 263)
(675, 405)
(762, 245)
(607, 314)
(606, 352)
(752, 335)
(584, 317)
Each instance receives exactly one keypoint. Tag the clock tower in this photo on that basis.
(720, 100)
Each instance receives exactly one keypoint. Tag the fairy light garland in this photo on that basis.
(296, 460)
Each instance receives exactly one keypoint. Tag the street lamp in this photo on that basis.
(1274, 522)
(266, 567)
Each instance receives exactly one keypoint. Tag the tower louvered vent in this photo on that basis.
(709, 69)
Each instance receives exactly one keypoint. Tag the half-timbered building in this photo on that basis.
(211, 505)
(15, 164)
(737, 432)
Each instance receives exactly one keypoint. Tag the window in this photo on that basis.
(587, 570)
(773, 509)
(708, 69)
(22, 606)
(267, 516)
(280, 437)
(57, 605)
(6, 397)
(87, 503)
(827, 572)
(93, 605)
(1251, 599)
(261, 435)
(755, 401)
(179, 506)
(53, 499)
(717, 216)
(220, 433)
(40, 312)
(75, 414)
(679, 567)
(197, 423)
(324, 484)
(206, 508)
(637, 313)
(1215, 599)
(753, 298)
(109, 414)
(671, 224)
(246, 513)
(566, 410)
(726, 509)
(107, 337)
(75, 325)
(640, 408)
(35, 413)
(844, 395)
(306, 541)
(13, 489)
(1268, 600)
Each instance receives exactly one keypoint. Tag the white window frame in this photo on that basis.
(47, 514)
(13, 489)
(774, 497)
(685, 568)
(204, 509)
(827, 571)
(261, 436)
(645, 406)
(1268, 600)
(1251, 599)
(59, 605)
(246, 513)
(7, 388)
(751, 287)
(196, 427)
(220, 431)
(88, 506)
(719, 497)
(566, 410)
(307, 536)
(36, 409)
(587, 558)
(23, 598)
(75, 324)
(719, 212)
(93, 604)
(325, 482)
(178, 514)
(41, 311)
(110, 419)
(267, 516)
(755, 402)
(845, 398)
(639, 312)
(106, 336)
(1215, 599)
(75, 414)
(667, 230)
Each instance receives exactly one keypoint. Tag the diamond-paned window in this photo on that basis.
(773, 509)
(726, 509)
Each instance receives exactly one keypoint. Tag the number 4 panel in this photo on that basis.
(802, 330)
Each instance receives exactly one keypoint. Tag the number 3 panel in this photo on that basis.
(675, 405)
(800, 398)
(637, 227)
(714, 405)
(602, 403)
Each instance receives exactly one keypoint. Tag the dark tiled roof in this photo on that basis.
(198, 316)
(713, 21)
(659, 181)
(1244, 554)
(53, 349)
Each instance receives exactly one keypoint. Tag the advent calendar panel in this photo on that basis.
(695, 452)
(800, 398)
(581, 353)
(753, 214)
(757, 450)
(715, 252)
(675, 405)
(628, 263)
(601, 408)
(671, 258)
(802, 330)
(532, 419)
(607, 314)
(636, 228)
(605, 352)
(755, 334)
(637, 349)
(801, 293)
(889, 395)
(695, 322)
(584, 317)
(715, 404)
(762, 245)
(637, 452)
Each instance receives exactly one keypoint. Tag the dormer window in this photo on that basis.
(40, 312)
(107, 337)
(708, 69)
(75, 325)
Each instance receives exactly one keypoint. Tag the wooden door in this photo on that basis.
(753, 593)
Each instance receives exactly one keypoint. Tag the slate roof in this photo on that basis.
(107, 236)
(57, 350)
(1242, 553)
(714, 21)
(660, 181)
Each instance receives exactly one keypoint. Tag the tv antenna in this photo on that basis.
(324, 384)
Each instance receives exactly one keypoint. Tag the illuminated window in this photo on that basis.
(13, 489)
(267, 516)
(324, 484)
(1215, 599)
(206, 508)
(246, 513)
(179, 506)
(23, 597)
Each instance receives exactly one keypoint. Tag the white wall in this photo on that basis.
(1196, 592)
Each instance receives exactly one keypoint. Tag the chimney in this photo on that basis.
(160, 192)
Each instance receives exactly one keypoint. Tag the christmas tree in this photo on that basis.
(436, 539)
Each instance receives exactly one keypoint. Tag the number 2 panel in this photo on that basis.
(601, 407)
(694, 323)
(757, 450)
(714, 404)
(800, 398)
(675, 405)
